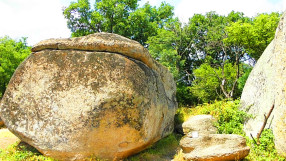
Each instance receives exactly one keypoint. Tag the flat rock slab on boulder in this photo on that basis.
(266, 86)
(100, 95)
(200, 123)
(214, 147)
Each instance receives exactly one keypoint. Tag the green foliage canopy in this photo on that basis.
(168, 47)
(122, 17)
(12, 53)
(229, 41)
(253, 36)
(208, 56)
(264, 26)
(208, 82)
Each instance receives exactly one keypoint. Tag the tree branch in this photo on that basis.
(264, 124)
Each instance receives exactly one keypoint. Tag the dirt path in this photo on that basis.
(7, 138)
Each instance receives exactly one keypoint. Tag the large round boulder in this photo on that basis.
(265, 87)
(100, 95)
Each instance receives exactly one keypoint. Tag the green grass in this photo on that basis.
(266, 150)
(20, 152)
(165, 148)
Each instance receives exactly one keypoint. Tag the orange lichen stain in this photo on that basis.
(106, 138)
(123, 145)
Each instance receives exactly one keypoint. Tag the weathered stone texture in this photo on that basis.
(204, 124)
(214, 147)
(266, 86)
(100, 95)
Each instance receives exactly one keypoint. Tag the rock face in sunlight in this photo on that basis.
(100, 95)
(265, 87)
(214, 147)
(200, 123)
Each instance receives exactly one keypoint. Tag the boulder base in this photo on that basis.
(72, 98)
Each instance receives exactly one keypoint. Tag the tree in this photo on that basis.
(264, 26)
(169, 47)
(207, 34)
(238, 37)
(183, 49)
(163, 50)
(229, 41)
(12, 53)
(145, 22)
(213, 82)
(122, 17)
(108, 16)
(206, 84)
(253, 37)
(210, 45)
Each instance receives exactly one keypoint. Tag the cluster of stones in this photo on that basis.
(201, 142)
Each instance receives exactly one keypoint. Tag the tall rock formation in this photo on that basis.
(266, 85)
(100, 95)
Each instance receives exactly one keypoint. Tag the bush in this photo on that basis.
(185, 96)
(266, 150)
(230, 119)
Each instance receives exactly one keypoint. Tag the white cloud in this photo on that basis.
(35, 19)
(187, 8)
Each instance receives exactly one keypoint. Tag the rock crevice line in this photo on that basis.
(100, 42)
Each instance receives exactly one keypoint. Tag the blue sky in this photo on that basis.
(43, 19)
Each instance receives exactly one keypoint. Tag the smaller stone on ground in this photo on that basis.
(200, 123)
(214, 147)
